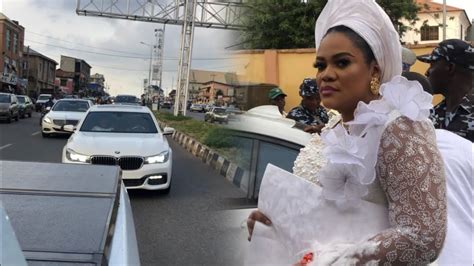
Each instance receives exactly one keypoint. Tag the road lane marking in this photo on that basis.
(36, 133)
(5, 146)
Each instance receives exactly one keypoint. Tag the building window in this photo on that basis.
(429, 33)
(15, 42)
(8, 40)
(63, 82)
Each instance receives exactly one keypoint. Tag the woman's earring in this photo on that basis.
(375, 86)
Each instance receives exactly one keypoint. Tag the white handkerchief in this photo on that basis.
(301, 217)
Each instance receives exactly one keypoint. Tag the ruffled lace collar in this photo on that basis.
(351, 158)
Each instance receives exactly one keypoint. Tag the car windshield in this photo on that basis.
(71, 106)
(4, 98)
(44, 97)
(119, 122)
(126, 99)
(219, 110)
(21, 99)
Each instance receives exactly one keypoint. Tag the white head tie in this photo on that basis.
(367, 19)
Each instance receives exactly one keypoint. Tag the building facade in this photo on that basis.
(81, 70)
(217, 93)
(11, 59)
(429, 27)
(40, 72)
(97, 84)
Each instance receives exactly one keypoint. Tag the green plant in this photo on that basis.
(218, 137)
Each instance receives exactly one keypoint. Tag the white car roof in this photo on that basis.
(72, 100)
(119, 108)
(266, 120)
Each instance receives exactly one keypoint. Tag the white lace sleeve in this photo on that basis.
(411, 173)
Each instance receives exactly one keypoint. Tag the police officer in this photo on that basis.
(451, 74)
(309, 115)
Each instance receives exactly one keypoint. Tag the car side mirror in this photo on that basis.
(69, 128)
(13, 102)
(168, 131)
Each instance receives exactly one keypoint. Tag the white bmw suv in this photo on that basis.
(127, 136)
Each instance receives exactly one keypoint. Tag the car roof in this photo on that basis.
(73, 100)
(119, 108)
(6, 93)
(266, 120)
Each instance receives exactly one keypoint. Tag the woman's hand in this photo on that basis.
(256, 216)
(314, 129)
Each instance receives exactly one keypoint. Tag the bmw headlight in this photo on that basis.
(76, 157)
(160, 158)
(47, 120)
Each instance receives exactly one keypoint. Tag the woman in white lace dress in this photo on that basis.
(383, 150)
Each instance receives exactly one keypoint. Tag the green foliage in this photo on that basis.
(164, 116)
(218, 138)
(287, 24)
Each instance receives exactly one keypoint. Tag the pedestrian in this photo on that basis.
(382, 152)
(309, 115)
(451, 74)
(277, 97)
(408, 59)
(425, 83)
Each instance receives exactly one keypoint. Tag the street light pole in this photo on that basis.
(151, 58)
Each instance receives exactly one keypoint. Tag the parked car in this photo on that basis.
(166, 105)
(42, 99)
(127, 136)
(127, 99)
(64, 112)
(277, 139)
(217, 114)
(80, 212)
(9, 108)
(197, 107)
(208, 107)
(26, 106)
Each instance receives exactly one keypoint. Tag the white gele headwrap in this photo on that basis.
(367, 19)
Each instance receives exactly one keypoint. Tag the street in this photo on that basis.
(193, 225)
(196, 115)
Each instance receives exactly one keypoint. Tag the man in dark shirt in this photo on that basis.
(451, 74)
(309, 115)
(277, 97)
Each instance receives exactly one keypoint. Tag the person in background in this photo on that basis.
(425, 83)
(277, 97)
(451, 74)
(408, 59)
(309, 115)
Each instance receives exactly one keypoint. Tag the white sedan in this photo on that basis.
(127, 136)
(64, 112)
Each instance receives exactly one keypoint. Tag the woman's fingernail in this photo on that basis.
(268, 222)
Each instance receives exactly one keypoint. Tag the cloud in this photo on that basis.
(54, 29)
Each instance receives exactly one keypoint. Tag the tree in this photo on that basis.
(286, 24)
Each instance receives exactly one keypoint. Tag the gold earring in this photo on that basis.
(375, 86)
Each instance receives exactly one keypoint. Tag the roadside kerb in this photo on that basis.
(226, 168)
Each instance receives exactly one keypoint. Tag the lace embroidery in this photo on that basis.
(416, 195)
(310, 160)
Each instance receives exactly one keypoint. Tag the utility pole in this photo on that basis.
(227, 15)
(444, 20)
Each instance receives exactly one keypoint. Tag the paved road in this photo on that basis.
(190, 226)
(195, 115)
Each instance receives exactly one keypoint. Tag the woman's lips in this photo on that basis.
(327, 91)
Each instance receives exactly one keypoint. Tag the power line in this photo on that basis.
(125, 56)
(99, 48)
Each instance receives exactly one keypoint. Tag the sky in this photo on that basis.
(112, 46)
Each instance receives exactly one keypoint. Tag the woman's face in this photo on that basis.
(343, 74)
